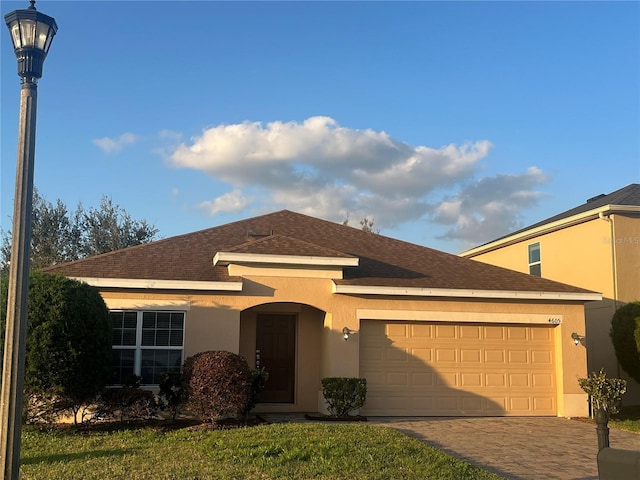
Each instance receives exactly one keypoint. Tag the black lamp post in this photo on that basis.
(31, 34)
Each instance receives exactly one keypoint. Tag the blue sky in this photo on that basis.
(449, 123)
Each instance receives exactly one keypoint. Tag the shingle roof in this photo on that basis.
(384, 261)
(282, 245)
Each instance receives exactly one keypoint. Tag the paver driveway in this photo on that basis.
(518, 448)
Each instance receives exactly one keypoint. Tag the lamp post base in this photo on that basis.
(602, 429)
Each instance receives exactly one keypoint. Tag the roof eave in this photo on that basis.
(465, 293)
(225, 258)
(153, 284)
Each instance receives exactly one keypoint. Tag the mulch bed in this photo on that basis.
(334, 418)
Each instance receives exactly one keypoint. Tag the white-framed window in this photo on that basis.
(146, 343)
(535, 265)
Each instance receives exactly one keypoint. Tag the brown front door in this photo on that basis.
(276, 347)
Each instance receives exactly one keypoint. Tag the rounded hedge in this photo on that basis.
(217, 385)
(625, 335)
(69, 336)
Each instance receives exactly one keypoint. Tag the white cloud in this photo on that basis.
(490, 207)
(114, 145)
(170, 135)
(323, 169)
(233, 201)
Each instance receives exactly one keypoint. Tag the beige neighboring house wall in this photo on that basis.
(597, 248)
(433, 333)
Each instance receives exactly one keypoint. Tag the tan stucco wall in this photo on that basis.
(626, 245)
(224, 322)
(579, 255)
(602, 255)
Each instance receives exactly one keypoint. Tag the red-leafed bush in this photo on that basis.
(217, 385)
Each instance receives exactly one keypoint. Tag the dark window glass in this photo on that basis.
(148, 337)
(130, 319)
(156, 362)
(123, 363)
(162, 319)
(534, 253)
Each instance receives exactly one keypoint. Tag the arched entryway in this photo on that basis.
(286, 340)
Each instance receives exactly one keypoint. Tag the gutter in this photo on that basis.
(464, 293)
(150, 284)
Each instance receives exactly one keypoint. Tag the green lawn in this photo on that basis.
(275, 451)
(627, 419)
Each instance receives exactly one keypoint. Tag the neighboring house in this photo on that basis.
(594, 246)
(433, 333)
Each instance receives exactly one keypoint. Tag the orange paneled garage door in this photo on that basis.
(450, 369)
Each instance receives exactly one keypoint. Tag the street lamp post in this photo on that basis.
(31, 34)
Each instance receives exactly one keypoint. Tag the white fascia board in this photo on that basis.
(225, 258)
(160, 284)
(551, 318)
(463, 293)
(145, 304)
(605, 211)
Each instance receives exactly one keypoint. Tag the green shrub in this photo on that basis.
(259, 378)
(68, 345)
(217, 385)
(625, 336)
(606, 393)
(126, 403)
(343, 395)
(171, 393)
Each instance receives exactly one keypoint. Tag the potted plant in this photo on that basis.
(606, 394)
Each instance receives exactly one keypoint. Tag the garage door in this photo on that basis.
(447, 369)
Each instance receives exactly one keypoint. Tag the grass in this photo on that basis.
(627, 419)
(265, 452)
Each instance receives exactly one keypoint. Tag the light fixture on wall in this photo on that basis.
(347, 332)
(577, 338)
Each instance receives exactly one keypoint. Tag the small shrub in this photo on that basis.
(259, 378)
(171, 393)
(343, 395)
(44, 407)
(126, 403)
(217, 385)
(606, 393)
(625, 336)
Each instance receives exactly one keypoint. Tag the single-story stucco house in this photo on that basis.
(433, 334)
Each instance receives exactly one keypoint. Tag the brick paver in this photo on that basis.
(517, 448)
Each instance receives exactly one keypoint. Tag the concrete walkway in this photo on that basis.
(517, 448)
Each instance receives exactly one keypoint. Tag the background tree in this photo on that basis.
(366, 224)
(69, 335)
(625, 336)
(111, 228)
(52, 233)
(59, 235)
